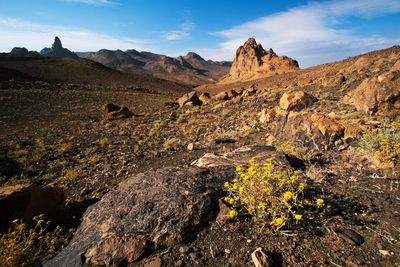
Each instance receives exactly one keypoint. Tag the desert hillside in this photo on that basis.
(273, 166)
(190, 69)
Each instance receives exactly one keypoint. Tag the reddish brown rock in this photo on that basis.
(252, 62)
(114, 112)
(205, 98)
(223, 214)
(377, 94)
(115, 250)
(296, 100)
(189, 99)
(221, 96)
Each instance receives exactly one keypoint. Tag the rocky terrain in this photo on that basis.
(139, 172)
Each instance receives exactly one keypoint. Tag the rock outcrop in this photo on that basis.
(137, 217)
(57, 50)
(26, 201)
(296, 100)
(376, 94)
(253, 62)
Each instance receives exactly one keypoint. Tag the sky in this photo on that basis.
(312, 32)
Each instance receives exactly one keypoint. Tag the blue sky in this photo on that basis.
(312, 32)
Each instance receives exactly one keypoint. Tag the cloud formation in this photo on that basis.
(183, 32)
(35, 36)
(312, 34)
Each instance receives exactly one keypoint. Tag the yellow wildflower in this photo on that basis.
(320, 202)
(298, 217)
(262, 205)
(226, 184)
(278, 221)
(287, 195)
(241, 190)
(301, 186)
(229, 200)
(233, 213)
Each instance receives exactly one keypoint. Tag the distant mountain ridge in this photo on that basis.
(190, 69)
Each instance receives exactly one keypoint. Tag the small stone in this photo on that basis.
(235, 261)
(179, 263)
(227, 251)
(154, 262)
(214, 251)
(183, 249)
(259, 258)
(193, 256)
(190, 146)
(385, 252)
(350, 235)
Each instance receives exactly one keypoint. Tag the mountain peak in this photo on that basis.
(252, 62)
(193, 55)
(57, 50)
(57, 44)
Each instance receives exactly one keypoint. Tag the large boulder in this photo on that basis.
(377, 94)
(296, 100)
(148, 211)
(26, 201)
(189, 99)
(313, 129)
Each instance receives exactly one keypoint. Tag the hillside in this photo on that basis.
(190, 69)
(81, 71)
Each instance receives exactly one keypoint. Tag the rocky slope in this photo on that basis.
(252, 62)
(78, 71)
(190, 69)
(158, 174)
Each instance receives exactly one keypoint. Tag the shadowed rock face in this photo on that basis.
(27, 201)
(57, 50)
(252, 62)
(137, 212)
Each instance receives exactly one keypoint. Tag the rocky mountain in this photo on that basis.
(57, 50)
(22, 51)
(190, 69)
(252, 62)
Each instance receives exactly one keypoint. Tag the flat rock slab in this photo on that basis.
(241, 155)
(151, 210)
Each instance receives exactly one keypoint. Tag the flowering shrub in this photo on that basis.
(21, 246)
(296, 149)
(267, 193)
(383, 145)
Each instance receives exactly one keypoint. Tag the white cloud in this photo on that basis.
(34, 36)
(310, 33)
(183, 32)
(93, 2)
